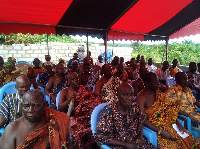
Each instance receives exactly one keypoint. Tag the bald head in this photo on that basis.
(34, 92)
(181, 79)
(125, 95)
(73, 80)
(124, 86)
(22, 85)
(21, 79)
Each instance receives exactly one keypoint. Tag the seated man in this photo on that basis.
(88, 59)
(163, 72)
(138, 84)
(174, 69)
(121, 123)
(1, 63)
(44, 76)
(82, 102)
(10, 108)
(161, 114)
(150, 66)
(39, 127)
(75, 58)
(56, 83)
(34, 71)
(48, 61)
(192, 80)
(87, 78)
(107, 74)
(182, 93)
(75, 67)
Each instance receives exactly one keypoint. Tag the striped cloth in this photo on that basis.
(11, 108)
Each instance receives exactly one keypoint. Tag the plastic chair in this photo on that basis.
(189, 126)
(8, 89)
(170, 81)
(96, 115)
(22, 62)
(58, 98)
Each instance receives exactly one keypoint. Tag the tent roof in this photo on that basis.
(127, 19)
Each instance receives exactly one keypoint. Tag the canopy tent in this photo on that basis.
(107, 19)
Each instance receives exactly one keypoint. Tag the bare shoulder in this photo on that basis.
(64, 91)
(9, 137)
(141, 100)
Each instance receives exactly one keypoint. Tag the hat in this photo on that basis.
(11, 59)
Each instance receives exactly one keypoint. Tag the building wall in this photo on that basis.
(57, 50)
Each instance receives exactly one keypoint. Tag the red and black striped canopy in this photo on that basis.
(120, 19)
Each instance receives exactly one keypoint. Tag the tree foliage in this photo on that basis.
(32, 39)
(185, 52)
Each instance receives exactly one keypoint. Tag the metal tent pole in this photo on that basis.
(166, 47)
(105, 43)
(87, 49)
(48, 43)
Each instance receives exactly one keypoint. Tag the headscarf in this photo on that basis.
(8, 64)
(11, 59)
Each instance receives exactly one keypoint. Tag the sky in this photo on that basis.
(194, 38)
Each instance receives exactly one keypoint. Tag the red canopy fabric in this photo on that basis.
(147, 15)
(127, 19)
(190, 29)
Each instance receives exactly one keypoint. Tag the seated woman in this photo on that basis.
(6, 74)
(121, 123)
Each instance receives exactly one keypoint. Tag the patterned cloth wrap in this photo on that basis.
(84, 104)
(164, 113)
(54, 135)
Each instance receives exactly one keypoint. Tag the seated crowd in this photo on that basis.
(138, 93)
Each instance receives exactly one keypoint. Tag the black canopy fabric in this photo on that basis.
(127, 19)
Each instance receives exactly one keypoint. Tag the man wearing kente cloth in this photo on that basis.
(39, 127)
(180, 92)
(162, 113)
(82, 102)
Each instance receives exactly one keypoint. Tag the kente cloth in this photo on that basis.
(114, 125)
(92, 79)
(185, 96)
(55, 134)
(11, 107)
(164, 113)
(173, 71)
(110, 89)
(191, 79)
(44, 77)
(133, 72)
(8, 78)
(84, 104)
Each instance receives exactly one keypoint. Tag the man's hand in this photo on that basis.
(165, 134)
(180, 127)
(129, 145)
(195, 122)
(53, 97)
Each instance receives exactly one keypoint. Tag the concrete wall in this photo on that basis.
(57, 50)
